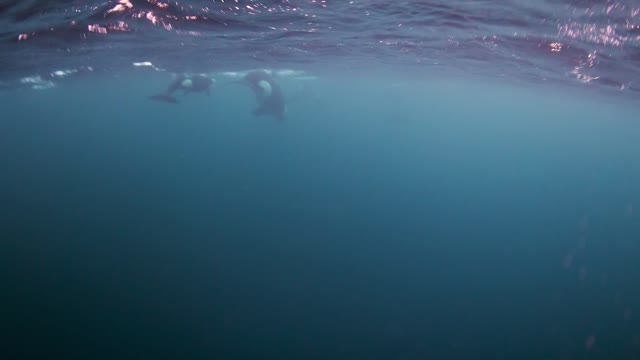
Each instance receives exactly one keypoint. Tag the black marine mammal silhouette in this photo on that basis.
(267, 92)
(188, 84)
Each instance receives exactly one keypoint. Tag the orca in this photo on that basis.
(188, 84)
(267, 92)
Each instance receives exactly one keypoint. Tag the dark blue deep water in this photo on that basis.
(451, 180)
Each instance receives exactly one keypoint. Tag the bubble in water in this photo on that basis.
(567, 261)
(590, 342)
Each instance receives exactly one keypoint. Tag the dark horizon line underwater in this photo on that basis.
(319, 179)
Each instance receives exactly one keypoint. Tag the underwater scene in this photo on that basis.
(320, 179)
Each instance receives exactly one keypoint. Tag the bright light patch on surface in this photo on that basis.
(63, 73)
(152, 18)
(594, 33)
(146, 64)
(579, 70)
(555, 47)
(97, 29)
(37, 83)
(31, 79)
(116, 8)
(298, 74)
(121, 6)
(289, 72)
(231, 74)
(119, 26)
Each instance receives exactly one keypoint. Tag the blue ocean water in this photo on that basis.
(451, 180)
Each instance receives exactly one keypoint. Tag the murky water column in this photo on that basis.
(600, 281)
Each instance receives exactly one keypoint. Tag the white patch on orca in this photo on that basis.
(265, 86)
(187, 83)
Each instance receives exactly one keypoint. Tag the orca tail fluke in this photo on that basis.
(164, 97)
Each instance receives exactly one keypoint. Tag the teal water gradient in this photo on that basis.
(384, 219)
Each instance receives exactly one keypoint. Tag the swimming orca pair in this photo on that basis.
(267, 91)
